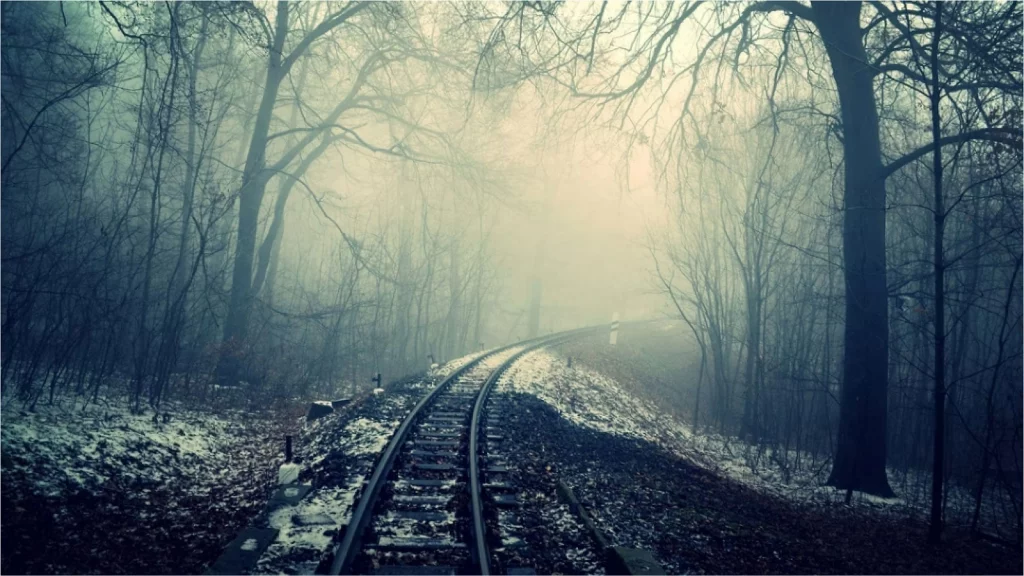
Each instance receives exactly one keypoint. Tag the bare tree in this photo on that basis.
(857, 54)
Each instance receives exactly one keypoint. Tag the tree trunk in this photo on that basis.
(189, 185)
(939, 271)
(272, 241)
(861, 451)
(271, 245)
(986, 450)
(405, 287)
(454, 303)
(177, 295)
(533, 327)
(257, 174)
(164, 129)
(254, 184)
(750, 426)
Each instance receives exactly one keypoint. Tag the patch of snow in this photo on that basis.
(404, 486)
(85, 448)
(368, 436)
(197, 475)
(402, 528)
(594, 400)
(288, 473)
(299, 539)
(590, 399)
(447, 368)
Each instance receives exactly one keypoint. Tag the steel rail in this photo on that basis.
(347, 550)
(481, 552)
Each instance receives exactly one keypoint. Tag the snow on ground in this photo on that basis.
(131, 461)
(493, 361)
(83, 449)
(699, 500)
(588, 398)
(288, 473)
(339, 451)
(369, 436)
(360, 436)
(336, 453)
(101, 489)
(307, 529)
(448, 367)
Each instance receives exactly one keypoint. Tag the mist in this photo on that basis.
(281, 201)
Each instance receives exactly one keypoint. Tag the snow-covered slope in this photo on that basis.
(103, 490)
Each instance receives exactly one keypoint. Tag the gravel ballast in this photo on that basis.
(627, 463)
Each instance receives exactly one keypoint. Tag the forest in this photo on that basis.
(257, 203)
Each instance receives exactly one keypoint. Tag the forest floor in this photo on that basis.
(97, 489)
(705, 503)
(103, 490)
(657, 363)
(100, 489)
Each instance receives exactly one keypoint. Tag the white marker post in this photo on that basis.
(613, 337)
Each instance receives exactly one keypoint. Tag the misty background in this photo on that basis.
(227, 202)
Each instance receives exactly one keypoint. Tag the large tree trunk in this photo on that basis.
(254, 184)
(272, 242)
(271, 245)
(861, 450)
(225, 225)
(257, 174)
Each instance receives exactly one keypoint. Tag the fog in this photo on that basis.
(556, 206)
(289, 198)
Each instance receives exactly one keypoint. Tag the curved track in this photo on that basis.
(413, 516)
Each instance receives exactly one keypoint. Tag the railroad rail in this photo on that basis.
(413, 509)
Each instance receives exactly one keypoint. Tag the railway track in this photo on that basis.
(427, 505)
